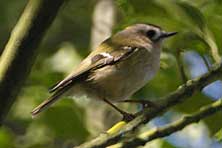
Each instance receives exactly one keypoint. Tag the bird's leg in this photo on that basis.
(144, 103)
(126, 116)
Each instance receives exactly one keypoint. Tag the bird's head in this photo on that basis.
(144, 33)
(152, 32)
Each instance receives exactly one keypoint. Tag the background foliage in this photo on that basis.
(68, 41)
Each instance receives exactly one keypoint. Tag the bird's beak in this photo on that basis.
(168, 34)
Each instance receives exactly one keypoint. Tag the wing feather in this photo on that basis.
(97, 61)
(61, 87)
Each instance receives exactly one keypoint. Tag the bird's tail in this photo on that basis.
(49, 101)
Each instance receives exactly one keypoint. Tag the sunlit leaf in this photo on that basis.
(218, 135)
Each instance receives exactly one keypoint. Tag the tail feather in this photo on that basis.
(45, 104)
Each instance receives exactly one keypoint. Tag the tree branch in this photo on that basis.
(20, 51)
(175, 126)
(168, 101)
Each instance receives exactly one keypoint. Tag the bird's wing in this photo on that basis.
(96, 61)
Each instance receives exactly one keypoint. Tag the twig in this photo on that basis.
(207, 64)
(20, 51)
(150, 135)
(168, 101)
(180, 65)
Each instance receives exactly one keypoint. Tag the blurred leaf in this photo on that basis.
(209, 39)
(214, 123)
(166, 144)
(197, 18)
(141, 7)
(193, 14)
(213, 14)
(143, 11)
(194, 103)
(6, 138)
(218, 135)
(190, 41)
(73, 25)
(37, 135)
(28, 99)
(70, 56)
(66, 120)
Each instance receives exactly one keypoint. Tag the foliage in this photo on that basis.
(219, 135)
(64, 125)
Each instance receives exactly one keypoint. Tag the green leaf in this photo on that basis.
(166, 144)
(218, 135)
(141, 7)
(193, 14)
(6, 138)
(194, 103)
(197, 18)
(188, 40)
(66, 120)
(214, 123)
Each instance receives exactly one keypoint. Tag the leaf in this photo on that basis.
(214, 123)
(198, 19)
(166, 144)
(6, 139)
(188, 40)
(193, 14)
(141, 7)
(218, 135)
(209, 39)
(66, 120)
(194, 103)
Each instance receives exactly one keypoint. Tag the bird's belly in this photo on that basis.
(118, 82)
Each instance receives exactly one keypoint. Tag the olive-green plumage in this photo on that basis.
(120, 66)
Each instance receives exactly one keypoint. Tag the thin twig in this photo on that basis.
(150, 135)
(180, 65)
(207, 64)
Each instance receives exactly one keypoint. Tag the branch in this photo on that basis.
(175, 126)
(21, 49)
(168, 101)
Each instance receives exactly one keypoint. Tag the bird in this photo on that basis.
(116, 69)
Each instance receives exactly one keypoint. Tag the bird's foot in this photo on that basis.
(128, 116)
(144, 103)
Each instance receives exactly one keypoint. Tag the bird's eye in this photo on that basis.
(150, 34)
